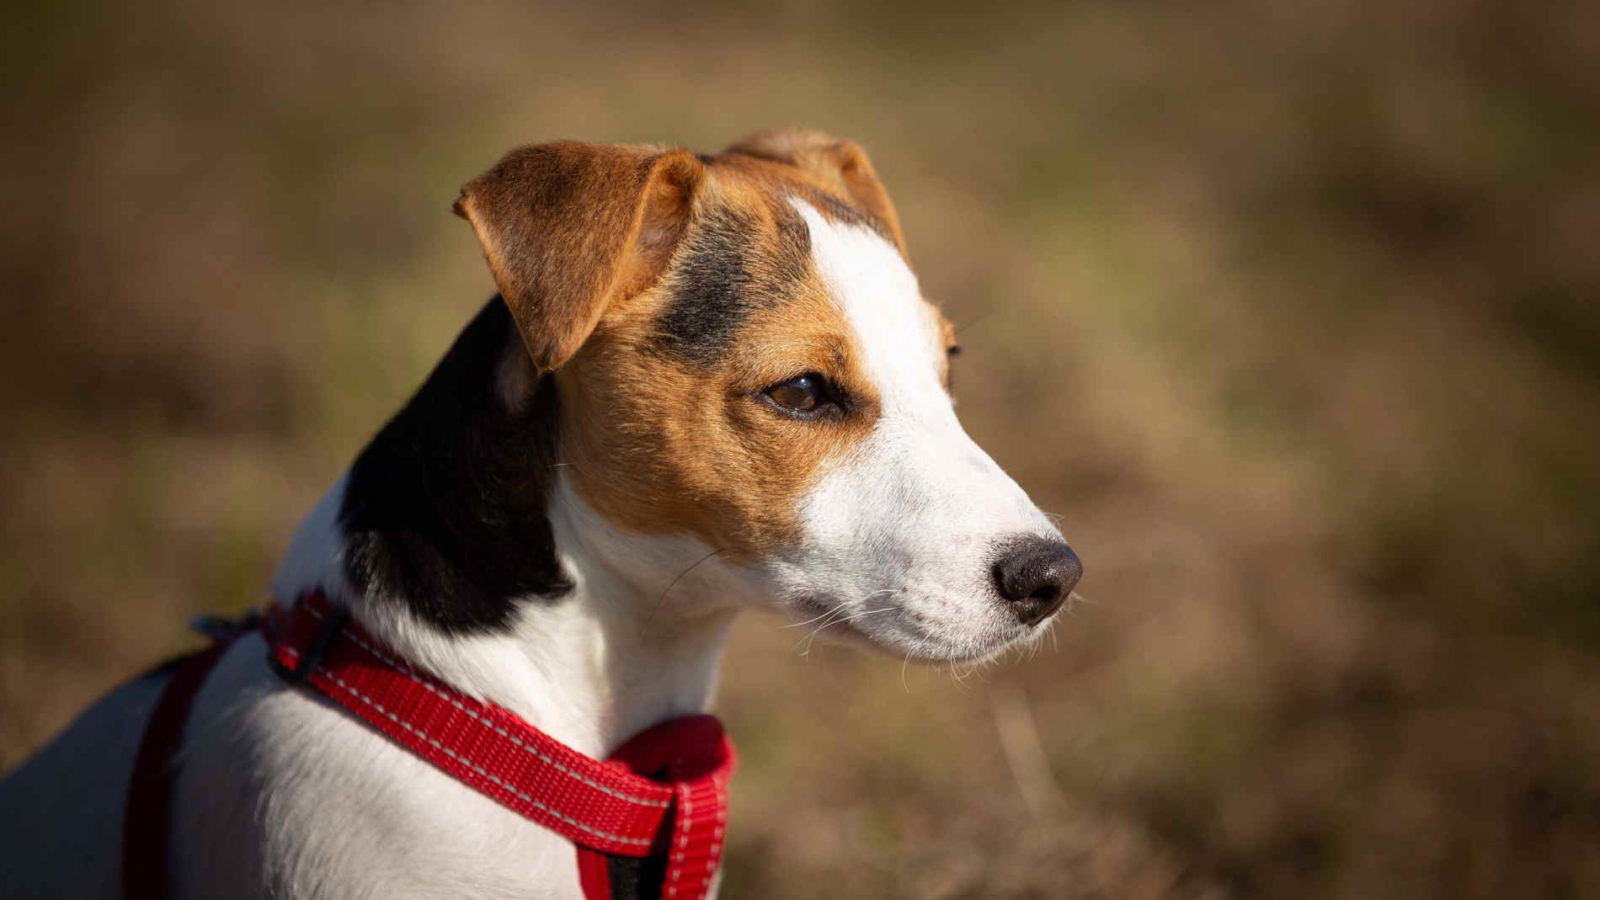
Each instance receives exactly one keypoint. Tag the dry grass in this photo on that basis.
(1289, 311)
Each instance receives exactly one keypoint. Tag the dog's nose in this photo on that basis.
(1034, 575)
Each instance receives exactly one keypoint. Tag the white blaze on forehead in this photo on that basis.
(897, 331)
(918, 463)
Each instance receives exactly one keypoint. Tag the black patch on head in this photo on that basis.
(729, 268)
(444, 510)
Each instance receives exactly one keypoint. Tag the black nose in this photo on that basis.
(1034, 575)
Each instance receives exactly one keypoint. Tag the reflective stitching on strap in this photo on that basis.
(638, 842)
(412, 674)
(685, 823)
(721, 787)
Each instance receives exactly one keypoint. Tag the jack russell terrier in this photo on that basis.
(708, 383)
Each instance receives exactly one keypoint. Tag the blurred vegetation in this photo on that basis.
(1289, 310)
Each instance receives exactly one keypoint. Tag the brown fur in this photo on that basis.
(566, 227)
(668, 443)
(661, 445)
(840, 167)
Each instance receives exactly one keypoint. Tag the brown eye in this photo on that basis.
(805, 396)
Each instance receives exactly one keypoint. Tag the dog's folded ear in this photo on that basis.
(567, 227)
(840, 164)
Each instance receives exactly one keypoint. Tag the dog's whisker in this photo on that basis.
(819, 629)
(838, 608)
(830, 612)
(851, 618)
(827, 619)
(674, 582)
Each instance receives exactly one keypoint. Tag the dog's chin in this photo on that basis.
(954, 648)
(900, 635)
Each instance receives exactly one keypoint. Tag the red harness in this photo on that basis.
(648, 822)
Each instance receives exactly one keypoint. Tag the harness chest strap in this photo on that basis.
(662, 795)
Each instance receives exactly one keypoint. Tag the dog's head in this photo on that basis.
(746, 367)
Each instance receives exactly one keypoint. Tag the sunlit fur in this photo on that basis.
(680, 497)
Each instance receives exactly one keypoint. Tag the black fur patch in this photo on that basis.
(729, 269)
(445, 510)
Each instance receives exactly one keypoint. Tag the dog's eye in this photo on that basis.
(805, 395)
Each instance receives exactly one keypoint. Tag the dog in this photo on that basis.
(707, 383)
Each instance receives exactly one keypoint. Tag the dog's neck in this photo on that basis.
(604, 662)
(455, 540)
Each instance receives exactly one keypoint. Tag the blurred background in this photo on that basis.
(1290, 311)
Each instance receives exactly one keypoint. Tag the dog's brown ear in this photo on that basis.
(567, 227)
(841, 164)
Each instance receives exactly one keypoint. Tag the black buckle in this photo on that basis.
(312, 657)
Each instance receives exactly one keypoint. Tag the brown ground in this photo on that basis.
(1289, 310)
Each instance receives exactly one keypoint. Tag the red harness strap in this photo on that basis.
(145, 821)
(663, 795)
